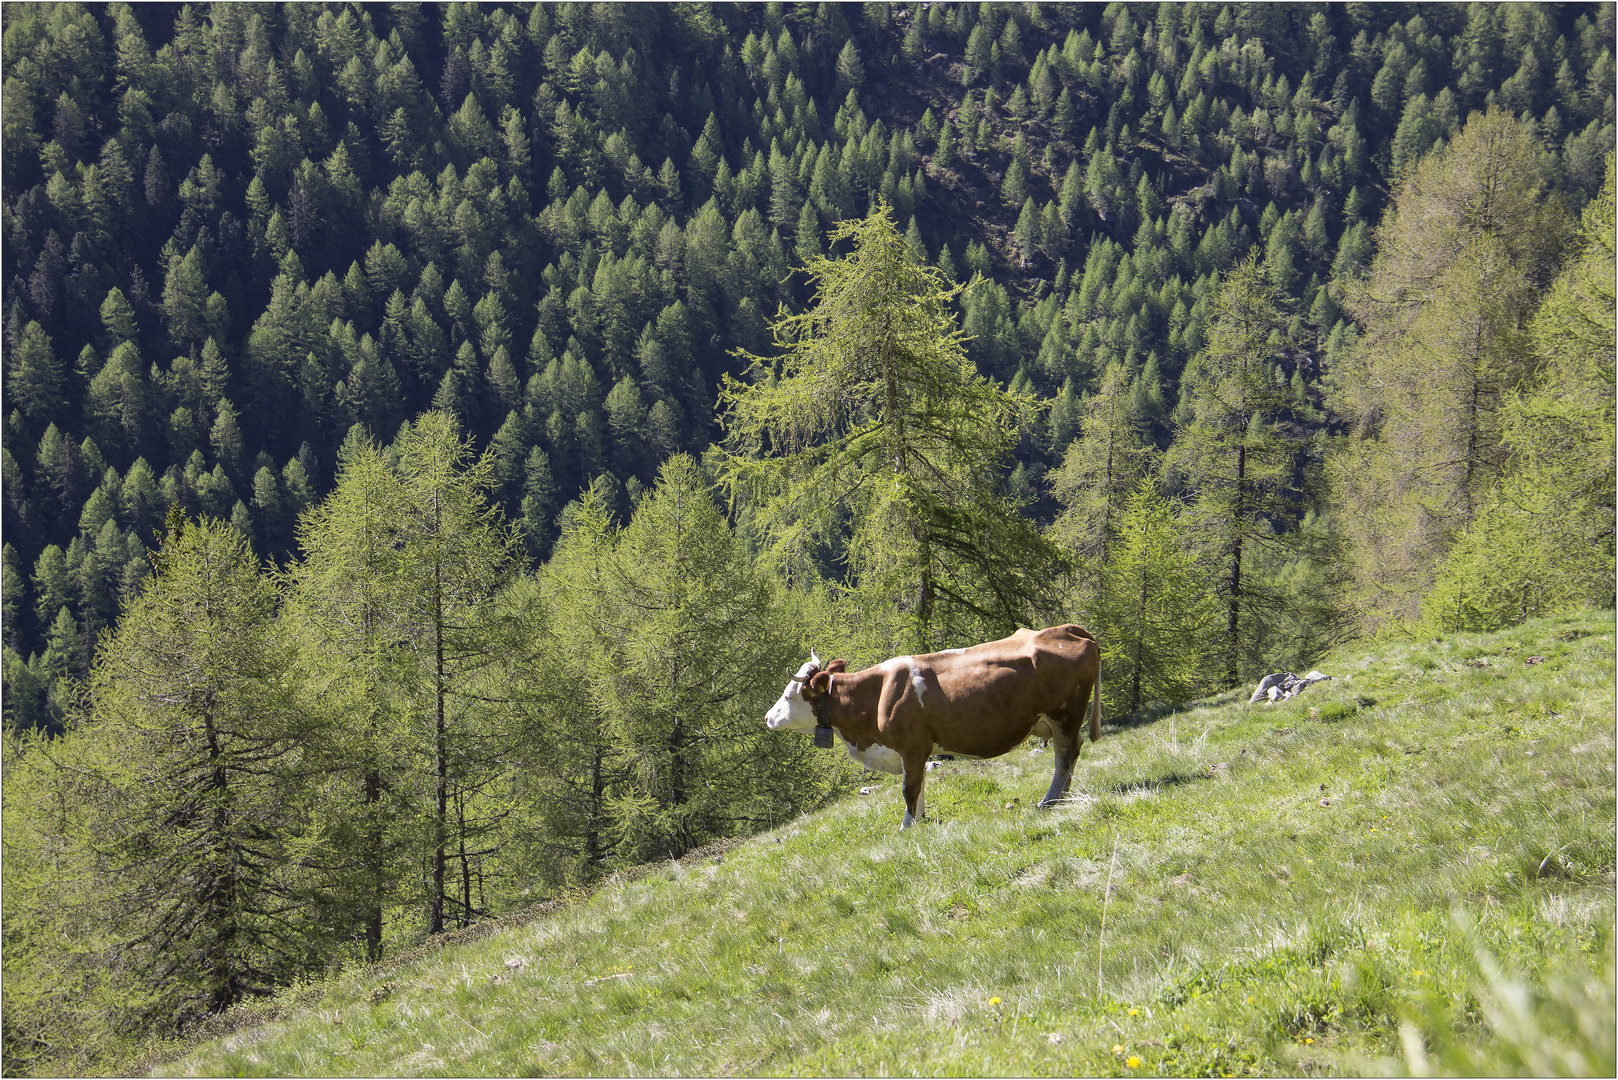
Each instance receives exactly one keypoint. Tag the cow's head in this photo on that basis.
(795, 711)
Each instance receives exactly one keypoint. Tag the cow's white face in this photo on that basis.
(792, 712)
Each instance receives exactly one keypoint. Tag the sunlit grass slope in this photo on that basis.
(1289, 884)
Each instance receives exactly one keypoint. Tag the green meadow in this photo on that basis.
(1408, 868)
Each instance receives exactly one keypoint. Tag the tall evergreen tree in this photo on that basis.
(454, 551)
(1443, 313)
(1100, 471)
(1154, 614)
(1234, 456)
(1543, 541)
(344, 610)
(679, 631)
(872, 433)
(195, 818)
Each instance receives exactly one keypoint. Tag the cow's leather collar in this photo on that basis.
(823, 731)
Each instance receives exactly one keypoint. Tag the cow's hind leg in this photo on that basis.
(1068, 741)
(1066, 746)
(915, 779)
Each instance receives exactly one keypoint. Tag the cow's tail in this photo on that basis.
(1095, 704)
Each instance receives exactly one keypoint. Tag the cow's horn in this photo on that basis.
(813, 658)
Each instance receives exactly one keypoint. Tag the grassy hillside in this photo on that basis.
(1288, 884)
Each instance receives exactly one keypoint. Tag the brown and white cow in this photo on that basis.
(978, 702)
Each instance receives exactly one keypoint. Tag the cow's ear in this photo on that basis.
(821, 682)
(836, 666)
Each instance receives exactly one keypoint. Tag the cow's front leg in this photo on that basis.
(915, 777)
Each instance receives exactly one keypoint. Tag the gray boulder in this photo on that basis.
(1282, 685)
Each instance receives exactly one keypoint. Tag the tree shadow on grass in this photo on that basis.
(1158, 711)
(1168, 779)
(1143, 716)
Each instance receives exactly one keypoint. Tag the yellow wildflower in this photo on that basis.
(1132, 1062)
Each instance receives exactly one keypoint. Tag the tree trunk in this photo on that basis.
(677, 788)
(466, 866)
(441, 754)
(373, 863)
(924, 596)
(592, 831)
(1140, 637)
(1233, 621)
(221, 887)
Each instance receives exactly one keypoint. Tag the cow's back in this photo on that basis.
(989, 696)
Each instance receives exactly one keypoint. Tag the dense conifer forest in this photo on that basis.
(433, 432)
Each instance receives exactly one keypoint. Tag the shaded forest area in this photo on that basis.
(434, 433)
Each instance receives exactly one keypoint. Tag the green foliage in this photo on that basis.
(1542, 541)
(674, 644)
(235, 238)
(1444, 315)
(871, 437)
(176, 813)
(162, 207)
(1233, 942)
(1100, 471)
(1235, 457)
(1153, 615)
(1500, 572)
(451, 551)
(343, 609)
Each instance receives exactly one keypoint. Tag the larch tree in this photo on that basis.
(566, 729)
(1461, 258)
(1099, 472)
(454, 550)
(1233, 455)
(1154, 614)
(1560, 427)
(870, 443)
(1543, 540)
(684, 642)
(193, 816)
(343, 609)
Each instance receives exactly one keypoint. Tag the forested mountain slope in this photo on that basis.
(432, 434)
(234, 232)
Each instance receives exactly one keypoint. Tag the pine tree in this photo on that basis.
(850, 70)
(1100, 470)
(196, 804)
(626, 417)
(1154, 615)
(343, 608)
(661, 613)
(1543, 541)
(872, 432)
(34, 374)
(1234, 457)
(1443, 315)
(185, 295)
(454, 549)
(1560, 427)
